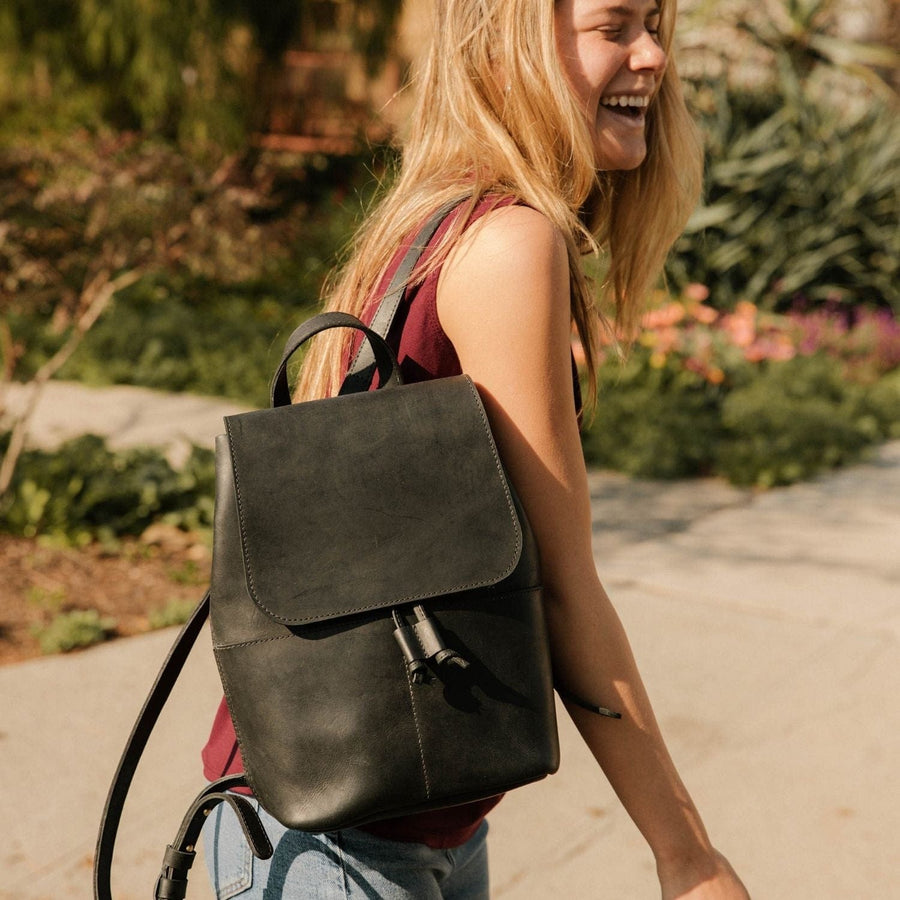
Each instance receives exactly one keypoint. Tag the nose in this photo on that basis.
(646, 53)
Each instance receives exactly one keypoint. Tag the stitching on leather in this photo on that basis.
(412, 703)
(237, 730)
(240, 509)
(412, 598)
(509, 502)
(267, 640)
(440, 592)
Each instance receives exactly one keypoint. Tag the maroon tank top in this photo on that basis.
(424, 352)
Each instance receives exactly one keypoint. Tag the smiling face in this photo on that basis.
(613, 61)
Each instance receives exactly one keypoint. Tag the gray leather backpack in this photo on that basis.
(375, 606)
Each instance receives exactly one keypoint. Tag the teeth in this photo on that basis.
(625, 100)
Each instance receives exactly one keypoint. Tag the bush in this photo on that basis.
(882, 401)
(801, 199)
(759, 398)
(225, 272)
(797, 418)
(71, 630)
(654, 421)
(209, 340)
(174, 68)
(83, 492)
(175, 612)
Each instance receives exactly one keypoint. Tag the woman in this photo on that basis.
(564, 125)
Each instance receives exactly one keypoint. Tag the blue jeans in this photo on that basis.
(340, 865)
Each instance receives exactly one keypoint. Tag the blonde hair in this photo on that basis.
(495, 114)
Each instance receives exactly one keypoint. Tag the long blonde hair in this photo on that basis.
(495, 113)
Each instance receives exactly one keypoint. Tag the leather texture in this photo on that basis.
(423, 683)
(379, 352)
(179, 855)
(400, 494)
(335, 520)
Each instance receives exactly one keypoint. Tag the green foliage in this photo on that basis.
(803, 37)
(881, 401)
(653, 422)
(200, 73)
(188, 334)
(213, 341)
(760, 398)
(188, 573)
(800, 203)
(83, 492)
(776, 423)
(798, 417)
(48, 600)
(227, 272)
(171, 68)
(803, 177)
(71, 630)
(175, 612)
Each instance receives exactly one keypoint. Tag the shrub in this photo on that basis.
(882, 401)
(71, 630)
(175, 612)
(83, 491)
(174, 68)
(797, 418)
(760, 398)
(215, 341)
(223, 273)
(800, 201)
(653, 421)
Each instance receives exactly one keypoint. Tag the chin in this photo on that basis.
(620, 162)
(618, 158)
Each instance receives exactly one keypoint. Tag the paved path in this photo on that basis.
(766, 626)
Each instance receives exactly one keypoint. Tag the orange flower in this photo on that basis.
(697, 292)
(670, 314)
(740, 326)
(668, 339)
(706, 315)
(775, 347)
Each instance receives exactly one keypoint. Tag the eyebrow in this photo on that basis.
(627, 11)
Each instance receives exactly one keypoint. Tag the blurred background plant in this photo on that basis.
(203, 74)
(780, 356)
(758, 397)
(73, 630)
(177, 179)
(799, 107)
(84, 492)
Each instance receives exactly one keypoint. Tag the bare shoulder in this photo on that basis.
(513, 259)
(512, 235)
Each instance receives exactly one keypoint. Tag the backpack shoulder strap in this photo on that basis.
(137, 741)
(362, 367)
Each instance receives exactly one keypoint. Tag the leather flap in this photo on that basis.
(369, 500)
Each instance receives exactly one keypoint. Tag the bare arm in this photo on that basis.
(503, 300)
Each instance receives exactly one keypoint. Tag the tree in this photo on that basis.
(203, 71)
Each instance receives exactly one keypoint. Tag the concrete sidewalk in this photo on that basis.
(766, 627)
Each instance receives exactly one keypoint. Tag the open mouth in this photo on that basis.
(630, 106)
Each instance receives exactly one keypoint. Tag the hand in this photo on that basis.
(710, 878)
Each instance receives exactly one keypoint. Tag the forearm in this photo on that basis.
(592, 657)
(512, 336)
